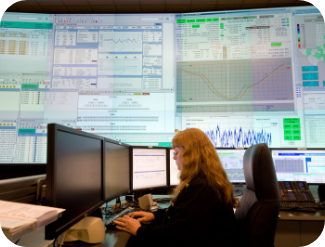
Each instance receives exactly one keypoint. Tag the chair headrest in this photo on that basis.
(259, 172)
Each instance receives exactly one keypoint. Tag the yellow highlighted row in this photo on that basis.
(7, 86)
(6, 124)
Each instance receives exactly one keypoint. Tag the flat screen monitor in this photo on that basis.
(300, 165)
(149, 168)
(173, 171)
(117, 169)
(232, 162)
(74, 176)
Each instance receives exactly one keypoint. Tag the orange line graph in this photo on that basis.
(242, 94)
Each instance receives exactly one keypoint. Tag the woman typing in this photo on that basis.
(201, 212)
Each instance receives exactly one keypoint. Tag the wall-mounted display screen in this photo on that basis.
(243, 77)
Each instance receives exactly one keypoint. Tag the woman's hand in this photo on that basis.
(142, 216)
(128, 224)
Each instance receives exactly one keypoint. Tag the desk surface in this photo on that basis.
(319, 215)
(116, 238)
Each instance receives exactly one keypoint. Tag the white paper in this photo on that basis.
(24, 211)
(15, 216)
(8, 224)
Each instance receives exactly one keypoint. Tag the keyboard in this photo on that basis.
(110, 223)
(314, 205)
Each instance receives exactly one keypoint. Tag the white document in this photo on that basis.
(15, 215)
(13, 224)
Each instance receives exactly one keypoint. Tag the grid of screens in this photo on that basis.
(232, 162)
(149, 168)
(243, 77)
(299, 165)
(117, 170)
(74, 176)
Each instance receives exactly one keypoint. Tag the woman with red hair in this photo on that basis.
(201, 212)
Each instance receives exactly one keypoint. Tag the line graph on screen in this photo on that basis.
(236, 132)
(120, 42)
(250, 80)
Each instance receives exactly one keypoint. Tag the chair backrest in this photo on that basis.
(257, 214)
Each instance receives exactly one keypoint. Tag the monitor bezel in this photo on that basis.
(131, 166)
(125, 192)
(52, 231)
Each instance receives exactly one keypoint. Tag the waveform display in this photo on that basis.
(121, 40)
(243, 89)
(289, 166)
(235, 175)
(238, 137)
(235, 81)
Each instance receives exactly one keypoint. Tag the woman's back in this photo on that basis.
(198, 217)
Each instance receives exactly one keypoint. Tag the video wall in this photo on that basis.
(243, 77)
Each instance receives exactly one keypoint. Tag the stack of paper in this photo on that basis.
(19, 217)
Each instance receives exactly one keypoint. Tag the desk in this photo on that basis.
(293, 229)
(296, 228)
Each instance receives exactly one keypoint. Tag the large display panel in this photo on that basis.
(240, 76)
(123, 68)
(310, 45)
(74, 177)
(300, 165)
(243, 77)
(232, 163)
(235, 76)
(116, 169)
(149, 168)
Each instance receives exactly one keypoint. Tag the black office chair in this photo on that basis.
(257, 214)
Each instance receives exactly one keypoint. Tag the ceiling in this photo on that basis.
(144, 6)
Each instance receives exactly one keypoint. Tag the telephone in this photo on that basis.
(296, 194)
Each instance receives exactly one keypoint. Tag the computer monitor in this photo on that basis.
(116, 169)
(74, 176)
(149, 167)
(300, 165)
(232, 162)
(173, 171)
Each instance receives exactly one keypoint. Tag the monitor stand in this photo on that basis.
(90, 230)
(236, 191)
